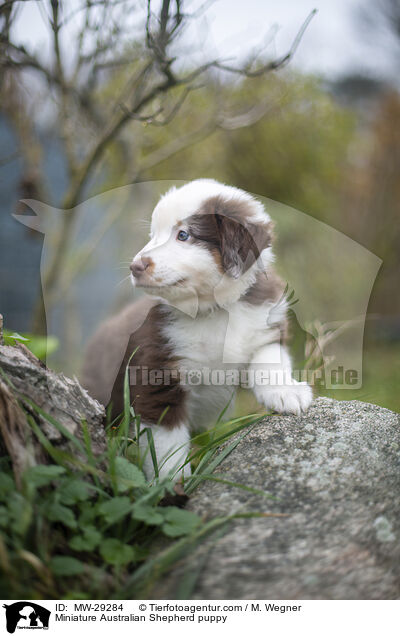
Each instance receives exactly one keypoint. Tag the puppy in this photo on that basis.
(214, 318)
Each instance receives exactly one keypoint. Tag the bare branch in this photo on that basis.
(159, 40)
(25, 60)
(248, 118)
(173, 148)
(273, 65)
(63, 117)
(152, 119)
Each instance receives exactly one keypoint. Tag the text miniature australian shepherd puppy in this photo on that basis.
(215, 319)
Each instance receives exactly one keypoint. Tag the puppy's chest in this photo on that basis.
(199, 340)
(217, 338)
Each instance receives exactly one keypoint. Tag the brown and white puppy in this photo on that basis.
(217, 309)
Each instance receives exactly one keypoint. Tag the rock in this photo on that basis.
(25, 380)
(335, 473)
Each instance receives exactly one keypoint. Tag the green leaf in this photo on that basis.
(57, 512)
(147, 513)
(43, 475)
(128, 475)
(86, 542)
(39, 345)
(73, 490)
(60, 427)
(20, 512)
(89, 451)
(10, 338)
(127, 397)
(6, 485)
(88, 514)
(235, 484)
(115, 509)
(132, 454)
(42, 346)
(116, 553)
(153, 454)
(3, 516)
(66, 566)
(179, 522)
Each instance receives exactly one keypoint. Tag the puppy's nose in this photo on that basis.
(139, 265)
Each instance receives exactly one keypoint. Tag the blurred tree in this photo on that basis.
(297, 153)
(374, 193)
(373, 196)
(110, 75)
(381, 18)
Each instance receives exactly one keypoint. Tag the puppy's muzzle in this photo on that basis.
(140, 265)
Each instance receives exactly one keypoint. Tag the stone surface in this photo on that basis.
(24, 379)
(335, 473)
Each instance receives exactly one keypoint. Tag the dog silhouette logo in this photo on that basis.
(26, 615)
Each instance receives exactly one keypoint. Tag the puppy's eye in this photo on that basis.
(182, 235)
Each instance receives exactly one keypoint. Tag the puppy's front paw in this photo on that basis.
(293, 398)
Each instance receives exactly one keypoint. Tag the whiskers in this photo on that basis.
(146, 223)
(123, 265)
(123, 280)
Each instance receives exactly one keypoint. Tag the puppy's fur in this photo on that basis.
(216, 304)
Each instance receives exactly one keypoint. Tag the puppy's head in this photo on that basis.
(201, 233)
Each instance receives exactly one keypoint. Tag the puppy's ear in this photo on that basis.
(241, 244)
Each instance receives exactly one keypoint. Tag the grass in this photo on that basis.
(381, 377)
(88, 527)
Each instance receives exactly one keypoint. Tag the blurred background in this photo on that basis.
(300, 107)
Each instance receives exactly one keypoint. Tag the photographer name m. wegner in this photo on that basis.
(245, 378)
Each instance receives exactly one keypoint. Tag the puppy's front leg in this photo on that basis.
(172, 446)
(274, 386)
